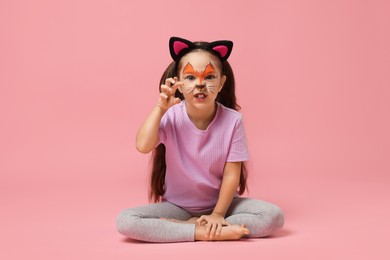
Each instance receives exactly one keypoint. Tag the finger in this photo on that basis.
(166, 89)
(167, 86)
(208, 229)
(219, 230)
(176, 86)
(202, 222)
(170, 90)
(213, 230)
(169, 82)
(163, 96)
(176, 80)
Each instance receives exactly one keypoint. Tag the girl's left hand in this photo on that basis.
(213, 223)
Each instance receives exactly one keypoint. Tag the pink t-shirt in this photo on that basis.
(195, 158)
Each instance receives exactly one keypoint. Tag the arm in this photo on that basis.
(147, 135)
(230, 182)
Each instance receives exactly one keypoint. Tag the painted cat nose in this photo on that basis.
(200, 86)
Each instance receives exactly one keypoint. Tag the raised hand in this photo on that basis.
(167, 96)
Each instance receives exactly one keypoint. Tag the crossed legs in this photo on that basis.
(165, 222)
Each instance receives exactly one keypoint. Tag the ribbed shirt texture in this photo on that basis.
(195, 158)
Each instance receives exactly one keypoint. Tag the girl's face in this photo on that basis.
(202, 77)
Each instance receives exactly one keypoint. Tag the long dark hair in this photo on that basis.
(227, 97)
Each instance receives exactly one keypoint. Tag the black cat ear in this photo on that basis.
(223, 48)
(179, 46)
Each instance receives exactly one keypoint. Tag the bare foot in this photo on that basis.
(231, 232)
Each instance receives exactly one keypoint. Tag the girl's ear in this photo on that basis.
(223, 48)
(223, 80)
(178, 46)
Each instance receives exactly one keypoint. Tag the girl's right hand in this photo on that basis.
(167, 96)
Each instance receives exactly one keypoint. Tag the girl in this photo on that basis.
(199, 155)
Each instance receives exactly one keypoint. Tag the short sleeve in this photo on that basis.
(238, 151)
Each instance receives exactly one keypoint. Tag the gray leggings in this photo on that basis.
(144, 223)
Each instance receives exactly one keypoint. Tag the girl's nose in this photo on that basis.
(200, 86)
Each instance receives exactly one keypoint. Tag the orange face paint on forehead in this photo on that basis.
(188, 69)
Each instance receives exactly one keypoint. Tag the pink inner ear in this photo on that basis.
(221, 49)
(178, 46)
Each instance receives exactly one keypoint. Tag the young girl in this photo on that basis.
(199, 156)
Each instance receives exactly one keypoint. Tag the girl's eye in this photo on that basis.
(190, 77)
(210, 77)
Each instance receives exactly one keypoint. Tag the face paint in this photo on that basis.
(188, 69)
(211, 89)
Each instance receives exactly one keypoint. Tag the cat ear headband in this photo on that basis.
(178, 47)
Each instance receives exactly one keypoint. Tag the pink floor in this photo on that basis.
(325, 219)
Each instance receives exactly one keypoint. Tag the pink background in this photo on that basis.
(77, 78)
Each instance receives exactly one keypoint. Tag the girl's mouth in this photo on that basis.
(200, 96)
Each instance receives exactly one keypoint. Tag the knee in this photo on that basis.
(125, 221)
(272, 219)
(276, 216)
